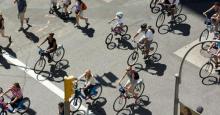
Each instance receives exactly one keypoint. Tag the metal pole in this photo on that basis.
(66, 108)
(176, 94)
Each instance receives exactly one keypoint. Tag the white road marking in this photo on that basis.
(32, 74)
(108, 1)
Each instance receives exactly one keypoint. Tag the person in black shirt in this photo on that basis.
(52, 46)
(2, 29)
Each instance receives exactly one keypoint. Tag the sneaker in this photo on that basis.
(27, 20)
(15, 110)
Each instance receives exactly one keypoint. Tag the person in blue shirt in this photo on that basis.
(22, 5)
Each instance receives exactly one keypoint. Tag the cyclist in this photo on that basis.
(132, 80)
(216, 16)
(171, 6)
(52, 46)
(89, 84)
(146, 39)
(61, 108)
(119, 22)
(17, 95)
(216, 46)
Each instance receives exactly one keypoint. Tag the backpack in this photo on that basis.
(84, 7)
(136, 75)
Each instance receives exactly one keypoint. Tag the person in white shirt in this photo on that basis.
(118, 22)
(89, 84)
(171, 6)
(146, 39)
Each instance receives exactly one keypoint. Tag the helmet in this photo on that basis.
(144, 26)
(119, 14)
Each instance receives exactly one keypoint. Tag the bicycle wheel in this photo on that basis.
(39, 65)
(153, 48)
(180, 18)
(139, 89)
(179, 8)
(58, 54)
(155, 9)
(97, 93)
(124, 30)
(133, 58)
(108, 39)
(205, 46)
(75, 104)
(3, 113)
(204, 35)
(119, 103)
(24, 105)
(153, 3)
(160, 19)
(206, 70)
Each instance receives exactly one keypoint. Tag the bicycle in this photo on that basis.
(117, 30)
(133, 57)
(153, 5)
(22, 106)
(209, 28)
(121, 100)
(164, 11)
(56, 57)
(76, 101)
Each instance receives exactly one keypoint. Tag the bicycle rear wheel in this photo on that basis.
(39, 65)
(119, 103)
(153, 48)
(160, 19)
(58, 54)
(75, 104)
(124, 30)
(97, 92)
(206, 70)
(109, 38)
(133, 58)
(24, 105)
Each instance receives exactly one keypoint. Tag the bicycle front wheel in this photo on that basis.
(97, 93)
(75, 104)
(58, 54)
(39, 65)
(119, 103)
(160, 20)
(153, 48)
(133, 58)
(24, 105)
(206, 70)
(139, 89)
(109, 38)
(204, 35)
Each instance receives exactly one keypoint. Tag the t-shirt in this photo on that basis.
(91, 81)
(52, 42)
(146, 34)
(16, 92)
(21, 5)
(118, 20)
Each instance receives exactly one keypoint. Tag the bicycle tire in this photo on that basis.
(98, 93)
(3, 113)
(206, 70)
(109, 38)
(153, 48)
(160, 18)
(133, 58)
(179, 8)
(73, 107)
(57, 53)
(118, 101)
(124, 30)
(204, 35)
(138, 87)
(22, 108)
(42, 63)
(153, 3)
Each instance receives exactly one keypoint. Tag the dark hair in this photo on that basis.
(61, 104)
(144, 26)
(51, 34)
(80, 1)
(17, 85)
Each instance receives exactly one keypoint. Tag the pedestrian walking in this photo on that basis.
(66, 4)
(80, 7)
(60, 108)
(22, 6)
(2, 28)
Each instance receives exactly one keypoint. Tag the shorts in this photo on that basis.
(80, 13)
(21, 14)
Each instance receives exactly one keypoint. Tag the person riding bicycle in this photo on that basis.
(132, 80)
(89, 84)
(146, 38)
(119, 22)
(52, 46)
(17, 95)
(216, 16)
(216, 46)
(171, 6)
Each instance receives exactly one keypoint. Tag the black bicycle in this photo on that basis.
(41, 62)
(133, 57)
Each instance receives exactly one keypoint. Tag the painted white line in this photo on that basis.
(32, 74)
(108, 1)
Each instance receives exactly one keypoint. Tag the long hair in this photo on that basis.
(17, 85)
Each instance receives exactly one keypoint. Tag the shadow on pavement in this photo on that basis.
(30, 112)
(10, 51)
(31, 36)
(210, 80)
(97, 106)
(110, 77)
(4, 62)
(87, 31)
(123, 43)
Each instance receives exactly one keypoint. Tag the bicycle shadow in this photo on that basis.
(97, 106)
(110, 77)
(210, 80)
(87, 31)
(30, 112)
(57, 72)
(122, 43)
(29, 35)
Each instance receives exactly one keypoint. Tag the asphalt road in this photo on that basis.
(86, 48)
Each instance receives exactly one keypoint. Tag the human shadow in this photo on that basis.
(9, 51)
(62, 16)
(123, 43)
(30, 112)
(110, 77)
(29, 35)
(87, 31)
(97, 106)
(4, 62)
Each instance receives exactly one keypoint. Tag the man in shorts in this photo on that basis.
(22, 5)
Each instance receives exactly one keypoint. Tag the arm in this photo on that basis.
(14, 100)
(5, 92)
(119, 81)
(135, 35)
(204, 13)
(112, 20)
(43, 42)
